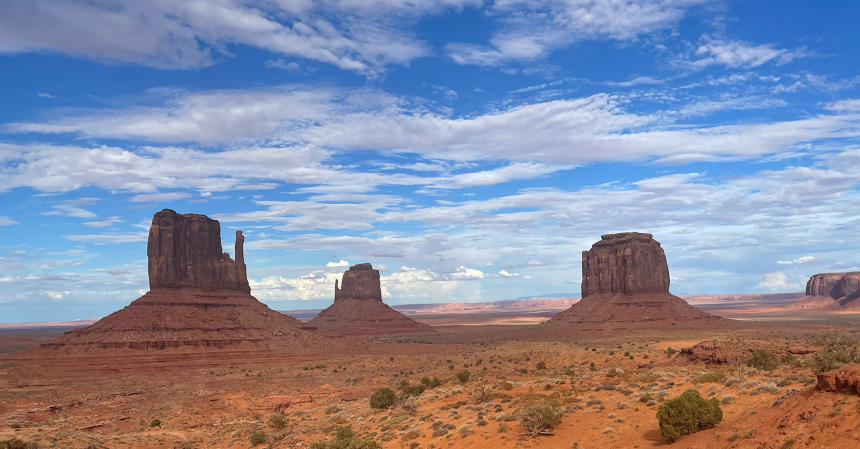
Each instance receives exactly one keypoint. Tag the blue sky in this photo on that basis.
(470, 149)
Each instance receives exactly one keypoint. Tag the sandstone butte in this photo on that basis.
(830, 291)
(199, 301)
(358, 308)
(625, 283)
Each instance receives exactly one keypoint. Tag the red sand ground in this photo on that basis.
(217, 398)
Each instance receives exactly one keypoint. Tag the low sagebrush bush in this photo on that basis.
(277, 421)
(836, 351)
(708, 377)
(463, 376)
(763, 360)
(14, 443)
(383, 398)
(409, 389)
(431, 383)
(259, 437)
(686, 414)
(346, 439)
(539, 419)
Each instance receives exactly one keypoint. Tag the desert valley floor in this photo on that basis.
(220, 398)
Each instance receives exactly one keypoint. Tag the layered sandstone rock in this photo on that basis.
(184, 251)
(625, 283)
(199, 300)
(848, 286)
(358, 308)
(359, 282)
(830, 291)
(627, 263)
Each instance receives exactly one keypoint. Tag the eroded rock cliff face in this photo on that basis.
(184, 251)
(627, 263)
(830, 291)
(625, 283)
(359, 282)
(823, 284)
(358, 308)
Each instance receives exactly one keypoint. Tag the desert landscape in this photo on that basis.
(197, 362)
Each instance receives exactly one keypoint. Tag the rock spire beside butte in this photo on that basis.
(358, 308)
(199, 302)
(625, 283)
(830, 291)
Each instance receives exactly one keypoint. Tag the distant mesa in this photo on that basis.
(358, 308)
(830, 291)
(625, 283)
(199, 301)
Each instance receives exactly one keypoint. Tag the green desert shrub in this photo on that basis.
(686, 414)
(383, 398)
(541, 365)
(464, 376)
(708, 377)
(763, 360)
(346, 439)
(155, 423)
(431, 383)
(14, 443)
(836, 351)
(539, 419)
(277, 421)
(409, 389)
(258, 437)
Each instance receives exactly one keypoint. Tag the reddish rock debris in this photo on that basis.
(845, 378)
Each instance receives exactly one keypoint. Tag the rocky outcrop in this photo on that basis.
(625, 283)
(848, 286)
(199, 301)
(830, 291)
(359, 282)
(841, 379)
(184, 251)
(626, 263)
(734, 352)
(358, 308)
(823, 284)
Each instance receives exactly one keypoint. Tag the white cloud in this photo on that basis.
(167, 196)
(317, 285)
(74, 208)
(357, 36)
(103, 223)
(852, 105)
(778, 281)
(533, 28)
(44, 95)
(341, 263)
(305, 120)
(800, 260)
(110, 237)
(4, 221)
(735, 54)
(635, 81)
(292, 67)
